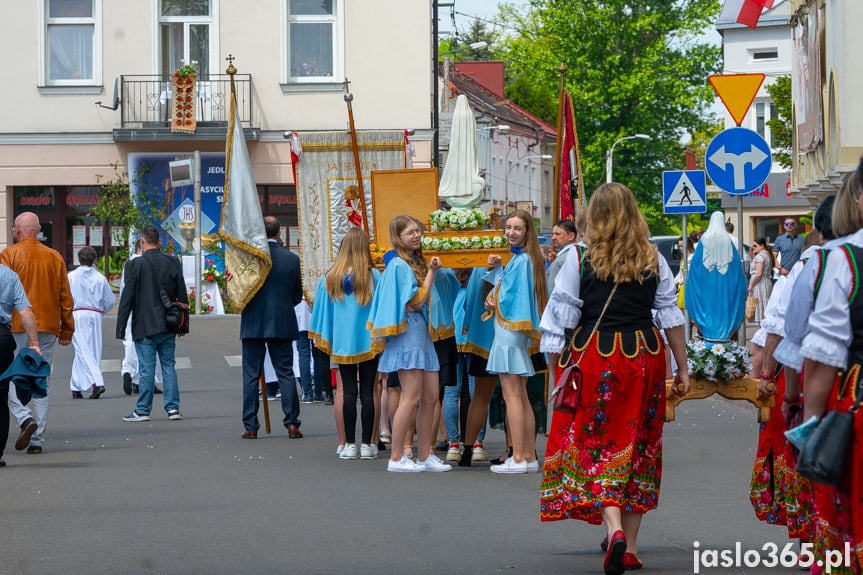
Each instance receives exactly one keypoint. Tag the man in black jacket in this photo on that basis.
(268, 322)
(149, 281)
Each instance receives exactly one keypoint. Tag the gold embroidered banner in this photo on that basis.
(184, 110)
(328, 196)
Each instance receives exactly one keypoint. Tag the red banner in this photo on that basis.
(571, 183)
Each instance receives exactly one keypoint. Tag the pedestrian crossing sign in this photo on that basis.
(684, 192)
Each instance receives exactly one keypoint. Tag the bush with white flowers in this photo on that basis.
(718, 361)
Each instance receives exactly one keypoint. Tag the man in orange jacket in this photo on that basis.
(43, 274)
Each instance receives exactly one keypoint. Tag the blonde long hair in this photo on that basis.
(846, 218)
(354, 255)
(531, 246)
(617, 236)
(418, 263)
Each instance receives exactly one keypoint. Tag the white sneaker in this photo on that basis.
(510, 466)
(433, 464)
(349, 452)
(366, 451)
(175, 415)
(404, 465)
(339, 448)
(135, 417)
(454, 451)
(533, 467)
(375, 451)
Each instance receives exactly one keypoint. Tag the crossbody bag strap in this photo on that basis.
(596, 325)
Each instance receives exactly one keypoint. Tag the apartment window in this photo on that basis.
(764, 112)
(764, 55)
(314, 41)
(184, 35)
(70, 42)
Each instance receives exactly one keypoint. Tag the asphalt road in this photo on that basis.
(192, 497)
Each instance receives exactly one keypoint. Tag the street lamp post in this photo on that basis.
(609, 157)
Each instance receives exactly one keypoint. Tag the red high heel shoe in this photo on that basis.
(613, 564)
(631, 562)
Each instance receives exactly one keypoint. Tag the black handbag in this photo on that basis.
(822, 459)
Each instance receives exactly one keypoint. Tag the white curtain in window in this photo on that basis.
(70, 50)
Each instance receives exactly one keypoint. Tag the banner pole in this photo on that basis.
(348, 99)
(557, 157)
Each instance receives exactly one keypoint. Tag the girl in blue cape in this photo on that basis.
(400, 313)
(338, 328)
(516, 303)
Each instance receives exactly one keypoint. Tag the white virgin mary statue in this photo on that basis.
(461, 185)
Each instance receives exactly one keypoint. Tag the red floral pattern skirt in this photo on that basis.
(778, 495)
(608, 453)
(839, 510)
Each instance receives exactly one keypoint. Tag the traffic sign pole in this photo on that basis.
(684, 262)
(741, 334)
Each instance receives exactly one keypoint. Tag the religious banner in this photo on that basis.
(570, 188)
(184, 110)
(807, 88)
(328, 201)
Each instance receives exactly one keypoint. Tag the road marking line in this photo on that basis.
(234, 360)
(115, 365)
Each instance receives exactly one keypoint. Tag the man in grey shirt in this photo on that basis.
(790, 245)
(563, 235)
(12, 297)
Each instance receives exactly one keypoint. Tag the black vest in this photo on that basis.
(628, 318)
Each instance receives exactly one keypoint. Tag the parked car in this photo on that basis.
(669, 249)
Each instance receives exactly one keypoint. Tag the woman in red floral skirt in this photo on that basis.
(604, 462)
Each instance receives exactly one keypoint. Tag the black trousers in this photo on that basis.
(323, 377)
(7, 355)
(363, 374)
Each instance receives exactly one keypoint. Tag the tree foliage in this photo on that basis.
(117, 208)
(780, 127)
(634, 67)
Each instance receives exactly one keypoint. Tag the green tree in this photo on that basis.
(780, 127)
(117, 208)
(635, 67)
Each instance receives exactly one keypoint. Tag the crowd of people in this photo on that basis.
(423, 347)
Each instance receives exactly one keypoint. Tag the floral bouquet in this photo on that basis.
(184, 70)
(377, 254)
(463, 243)
(718, 361)
(207, 306)
(211, 274)
(459, 219)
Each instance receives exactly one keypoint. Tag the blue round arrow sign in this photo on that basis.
(738, 160)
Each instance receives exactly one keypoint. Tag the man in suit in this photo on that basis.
(268, 322)
(147, 279)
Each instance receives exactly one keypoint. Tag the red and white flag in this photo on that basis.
(744, 12)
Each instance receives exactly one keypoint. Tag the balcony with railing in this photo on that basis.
(145, 102)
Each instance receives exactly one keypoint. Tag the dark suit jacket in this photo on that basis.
(270, 314)
(145, 276)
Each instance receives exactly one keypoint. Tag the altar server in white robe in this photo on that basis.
(93, 298)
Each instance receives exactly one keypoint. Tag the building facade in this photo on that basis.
(768, 50)
(826, 88)
(92, 89)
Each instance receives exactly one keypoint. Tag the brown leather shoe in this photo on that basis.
(250, 435)
(294, 432)
(27, 430)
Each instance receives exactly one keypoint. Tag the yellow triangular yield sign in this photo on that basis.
(737, 92)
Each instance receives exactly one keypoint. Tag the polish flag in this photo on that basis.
(744, 11)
